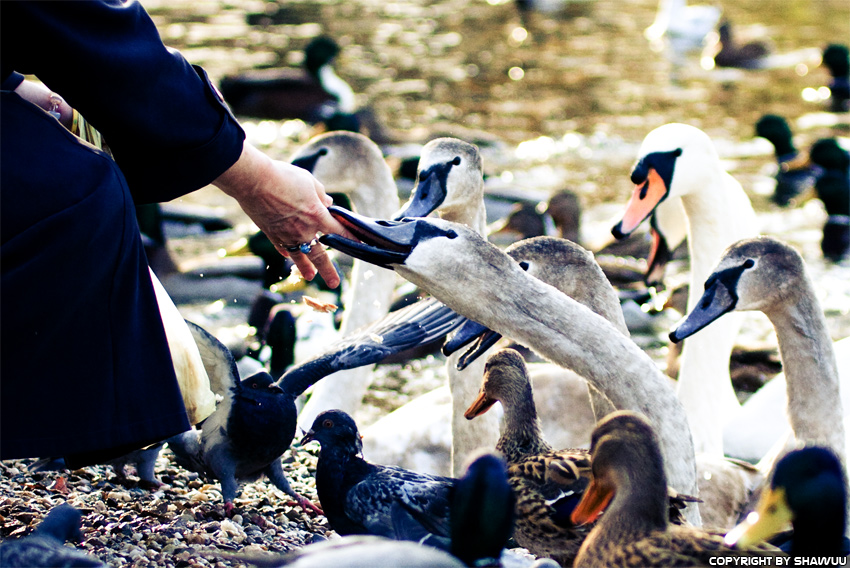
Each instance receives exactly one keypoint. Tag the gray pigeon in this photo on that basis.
(45, 546)
(254, 423)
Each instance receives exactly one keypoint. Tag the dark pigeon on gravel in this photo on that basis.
(254, 423)
(481, 516)
(45, 546)
(359, 497)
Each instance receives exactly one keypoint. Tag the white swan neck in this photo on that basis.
(719, 214)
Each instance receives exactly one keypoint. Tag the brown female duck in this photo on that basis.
(548, 483)
(628, 478)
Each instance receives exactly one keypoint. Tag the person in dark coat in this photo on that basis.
(85, 369)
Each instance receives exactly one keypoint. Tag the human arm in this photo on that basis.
(166, 126)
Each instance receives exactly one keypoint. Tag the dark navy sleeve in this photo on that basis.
(167, 127)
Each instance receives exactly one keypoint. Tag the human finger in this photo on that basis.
(311, 258)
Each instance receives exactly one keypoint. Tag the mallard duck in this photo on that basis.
(794, 174)
(629, 484)
(678, 161)
(836, 58)
(726, 51)
(807, 489)
(548, 483)
(313, 93)
(833, 189)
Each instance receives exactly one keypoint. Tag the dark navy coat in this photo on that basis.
(84, 363)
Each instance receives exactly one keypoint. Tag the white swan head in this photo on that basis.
(450, 180)
(753, 274)
(350, 163)
(673, 162)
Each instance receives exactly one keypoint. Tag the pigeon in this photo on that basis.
(254, 423)
(481, 524)
(359, 497)
(45, 546)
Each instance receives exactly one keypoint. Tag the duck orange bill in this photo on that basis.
(643, 201)
(481, 405)
(596, 497)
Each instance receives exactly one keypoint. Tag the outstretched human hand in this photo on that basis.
(289, 205)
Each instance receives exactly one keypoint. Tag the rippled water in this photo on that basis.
(561, 100)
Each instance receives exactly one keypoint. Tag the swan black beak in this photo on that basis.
(426, 197)
(383, 242)
(720, 296)
(468, 332)
(716, 301)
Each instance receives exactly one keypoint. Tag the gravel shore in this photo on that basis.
(181, 523)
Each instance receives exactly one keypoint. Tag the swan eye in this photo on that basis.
(254, 385)
(749, 263)
(323, 152)
(524, 265)
(456, 161)
(451, 234)
(328, 423)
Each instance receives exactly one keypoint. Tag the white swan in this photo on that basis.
(350, 163)
(680, 161)
(684, 27)
(476, 279)
(572, 270)
(762, 416)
